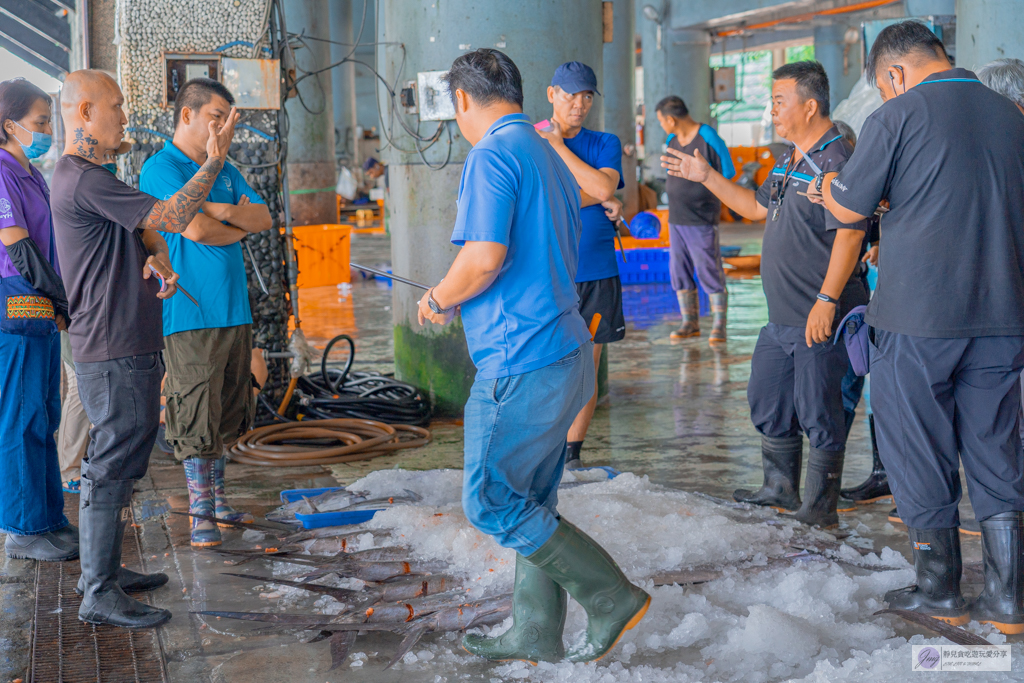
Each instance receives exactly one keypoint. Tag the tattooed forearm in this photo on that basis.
(174, 214)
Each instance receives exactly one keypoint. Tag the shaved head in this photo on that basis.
(91, 106)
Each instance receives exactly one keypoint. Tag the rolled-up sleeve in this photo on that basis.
(487, 199)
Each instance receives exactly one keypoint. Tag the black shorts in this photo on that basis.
(604, 297)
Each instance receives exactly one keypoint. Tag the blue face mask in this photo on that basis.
(40, 143)
(111, 167)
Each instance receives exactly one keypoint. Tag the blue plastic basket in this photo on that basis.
(728, 250)
(643, 265)
(341, 517)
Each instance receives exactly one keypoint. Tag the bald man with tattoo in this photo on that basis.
(110, 248)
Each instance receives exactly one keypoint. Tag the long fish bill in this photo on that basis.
(341, 594)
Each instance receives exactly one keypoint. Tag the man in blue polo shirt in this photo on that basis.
(518, 225)
(595, 159)
(209, 347)
(947, 316)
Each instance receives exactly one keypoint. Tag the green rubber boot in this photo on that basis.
(579, 565)
(538, 617)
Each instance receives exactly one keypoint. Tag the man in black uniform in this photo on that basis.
(947, 315)
(807, 261)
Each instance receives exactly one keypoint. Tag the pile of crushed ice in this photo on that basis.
(806, 619)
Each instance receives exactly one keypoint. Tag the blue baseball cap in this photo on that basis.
(574, 77)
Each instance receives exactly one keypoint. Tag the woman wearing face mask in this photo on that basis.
(33, 306)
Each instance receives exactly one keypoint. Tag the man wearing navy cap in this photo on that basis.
(595, 159)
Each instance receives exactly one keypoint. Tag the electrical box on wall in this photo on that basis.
(723, 84)
(435, 104)
(255, 83)
(181, 67)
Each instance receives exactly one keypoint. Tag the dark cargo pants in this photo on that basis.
(209, 394)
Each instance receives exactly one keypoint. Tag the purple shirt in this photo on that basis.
(25, 203)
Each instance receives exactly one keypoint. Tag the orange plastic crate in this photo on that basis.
(323, 253)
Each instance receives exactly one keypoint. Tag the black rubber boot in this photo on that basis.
(588, 573)
(1002, 602)
(877, 485)
(780, 458)
(131, 582)
(939, 567)
(103, 514)
(821, 488)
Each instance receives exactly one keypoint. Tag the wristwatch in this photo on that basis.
(818, 179)
(826, 298)
(434, 306)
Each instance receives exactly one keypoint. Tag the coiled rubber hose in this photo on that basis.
(334, 393)
(350, 411)
(276, 445)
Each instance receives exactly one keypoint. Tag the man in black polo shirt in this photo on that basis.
(807, 260)
(947, 315)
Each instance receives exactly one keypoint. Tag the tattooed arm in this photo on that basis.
(175, 214)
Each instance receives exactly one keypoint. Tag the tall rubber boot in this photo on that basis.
(821, 488)
(103, 514)
(939, 567)
(876, 487)
(538, 617)
(689, 306)
(200, 478)
(223, 510)
(780, 458)
(579, 565)
(719, 305)
(1002, 602)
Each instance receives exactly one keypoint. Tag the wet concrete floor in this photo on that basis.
(676, 412)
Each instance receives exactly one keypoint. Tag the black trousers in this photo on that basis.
(796, 389)
(121, 398)
(937, 399)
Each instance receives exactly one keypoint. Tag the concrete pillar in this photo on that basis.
(680, 68)
(829, 49)
(343, 78)
(421, 201)
(619, 74)
(987, 30)
(311, 165)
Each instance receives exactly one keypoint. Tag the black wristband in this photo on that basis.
(826, 298)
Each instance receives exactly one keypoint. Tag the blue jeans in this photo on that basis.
(121, 397)
(515, 431)
(31, 500)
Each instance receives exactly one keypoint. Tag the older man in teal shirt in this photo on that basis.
(208, 347)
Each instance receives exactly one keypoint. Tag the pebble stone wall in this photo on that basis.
(145, 28)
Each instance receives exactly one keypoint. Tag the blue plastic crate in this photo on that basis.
(643, 265)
